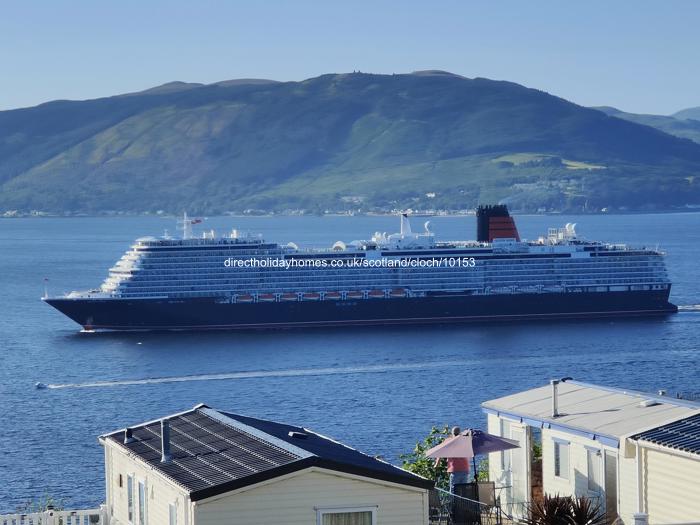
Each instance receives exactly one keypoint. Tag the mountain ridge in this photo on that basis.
(679, 127)
(688, 113)
(337, 141)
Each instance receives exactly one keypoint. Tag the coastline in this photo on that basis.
(391, 213)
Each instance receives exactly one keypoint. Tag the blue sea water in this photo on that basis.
(377, 389)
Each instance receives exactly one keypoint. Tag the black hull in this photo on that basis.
(208, 314)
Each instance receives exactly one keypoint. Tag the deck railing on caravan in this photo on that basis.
(450, 509)
(57, 517)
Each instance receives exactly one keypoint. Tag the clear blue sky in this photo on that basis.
(640, 56)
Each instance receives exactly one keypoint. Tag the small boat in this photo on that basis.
(331, 296)
(289, 297)
(266, 298)
(354, 295)
(311, 296)
(244, 298)
(398, 292)
(376, 294)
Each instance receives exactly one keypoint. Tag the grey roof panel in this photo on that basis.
(683, 434)
(215, 452)
(596, 409)
(205, 453)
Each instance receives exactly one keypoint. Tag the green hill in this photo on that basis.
(690, 113)
(677, 126)
(335, 142)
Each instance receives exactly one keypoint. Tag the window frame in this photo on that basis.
(130, 498)
(172, 512)
(321, 511)
(598, 475)
(143, 520)
(505, 430)
(563, 473)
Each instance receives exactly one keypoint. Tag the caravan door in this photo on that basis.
(519, 466)
(514, 464)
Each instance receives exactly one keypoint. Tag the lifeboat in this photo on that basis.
(244, 298)
(266, 298)
(354, 295)
(311, 296)
(288, 297)
(331, 296)
(375, 294)
(398, 292)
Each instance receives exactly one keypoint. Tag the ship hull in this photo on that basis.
(210, 314)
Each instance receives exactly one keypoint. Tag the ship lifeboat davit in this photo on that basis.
(244, 298)
(354, 295)
(376, 294)
(398, 292)
(288, 297)
(311, 296)
(266, 298)
(331, 296)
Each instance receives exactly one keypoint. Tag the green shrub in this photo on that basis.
(565, 510)
(418, 463)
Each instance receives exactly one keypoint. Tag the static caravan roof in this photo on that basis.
(215, 452)
(598, 411)
(682, 435)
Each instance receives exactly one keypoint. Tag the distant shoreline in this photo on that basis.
(367, 214)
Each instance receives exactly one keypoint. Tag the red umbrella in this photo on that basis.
(469, 444)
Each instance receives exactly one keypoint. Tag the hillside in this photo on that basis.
(342, 141)
(689, 113)
(678, 126)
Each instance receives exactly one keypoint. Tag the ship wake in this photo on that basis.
(689, 308)
(259, 374)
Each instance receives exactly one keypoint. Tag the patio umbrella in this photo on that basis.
(469, 444)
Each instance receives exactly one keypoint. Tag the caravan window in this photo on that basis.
(172, 513)
(130, 498)
(347, 516)
(142, 503)
(561, 459)
(594, 470)
(505, 456)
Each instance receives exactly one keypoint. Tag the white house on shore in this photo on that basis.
(637, 454)
(205, 466)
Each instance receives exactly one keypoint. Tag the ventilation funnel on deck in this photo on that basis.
(494, 222)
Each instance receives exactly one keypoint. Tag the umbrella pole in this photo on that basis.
(475, 473)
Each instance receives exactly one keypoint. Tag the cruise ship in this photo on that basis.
(240, 281)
